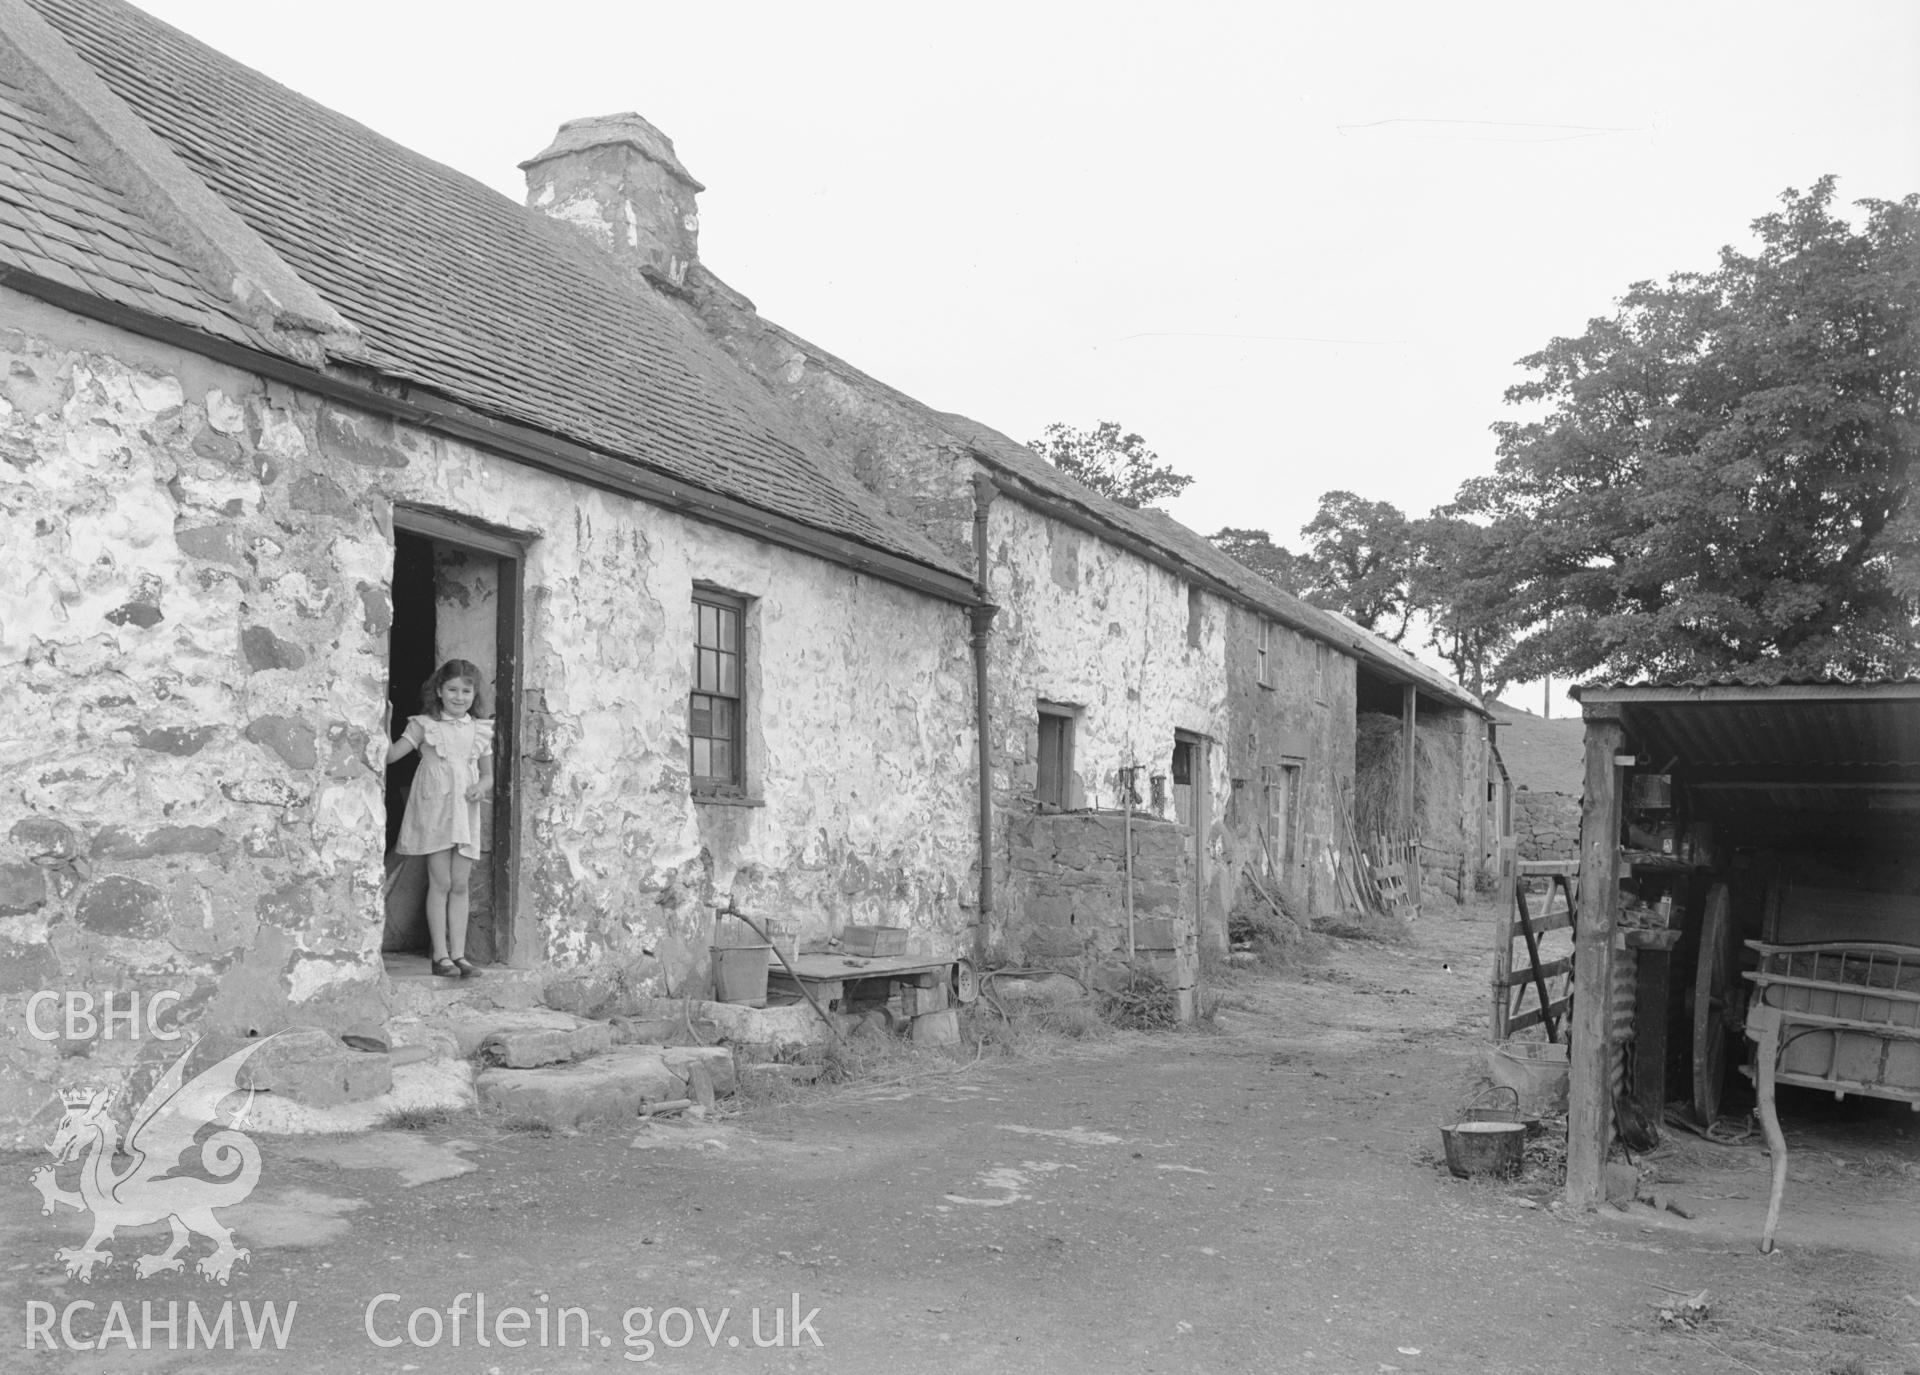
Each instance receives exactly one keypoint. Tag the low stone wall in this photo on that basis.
(1066, 896)
(1546, 825)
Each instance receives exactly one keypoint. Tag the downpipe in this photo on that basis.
(981, 615)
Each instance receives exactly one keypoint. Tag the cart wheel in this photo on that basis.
(1715, 1016)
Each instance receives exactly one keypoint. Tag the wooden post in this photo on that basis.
(1589, 1098)
(1407, 748)
(1502, 951)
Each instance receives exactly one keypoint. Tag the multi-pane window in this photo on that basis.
(1263, 666)
(715, 717)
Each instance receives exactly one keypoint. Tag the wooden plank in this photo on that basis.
(1546, 868)
(1532, 1017)
(1559, 919)
(1589, 1105)
(1503, 933)
(1409, 748)
(1523, 978)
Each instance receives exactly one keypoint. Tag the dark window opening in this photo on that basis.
(1056, 759)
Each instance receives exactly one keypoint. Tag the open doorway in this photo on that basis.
(456, 594)
(1191, 807)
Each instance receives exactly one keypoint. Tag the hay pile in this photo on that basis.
(1376, 779)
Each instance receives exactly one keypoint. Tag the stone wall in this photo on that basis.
(1290, 726)
(1066, 899)
(1546, 825)
(196, 639)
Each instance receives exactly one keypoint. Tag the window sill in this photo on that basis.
(727, 800)
(1267, 686)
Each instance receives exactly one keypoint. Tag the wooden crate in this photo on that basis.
(873, 940)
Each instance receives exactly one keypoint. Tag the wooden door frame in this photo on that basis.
(509, 549)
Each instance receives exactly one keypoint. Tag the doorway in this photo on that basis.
(1191, 807)
(456, 594)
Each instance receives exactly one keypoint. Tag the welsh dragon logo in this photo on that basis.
(164, 1129)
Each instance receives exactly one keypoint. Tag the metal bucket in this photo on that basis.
(740, 958)
(1475, 1148)
(1488, 1139)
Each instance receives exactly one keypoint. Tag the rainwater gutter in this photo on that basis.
(981, 612)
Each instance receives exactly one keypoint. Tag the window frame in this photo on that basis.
(1263, 657)
(1066, 718)
(724, 604)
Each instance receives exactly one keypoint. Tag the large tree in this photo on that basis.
(1360, 554)
(1717, 477)
(1456, 587)
(1117, 465)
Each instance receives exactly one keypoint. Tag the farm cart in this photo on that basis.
(1840, 1015)
(1778, 824)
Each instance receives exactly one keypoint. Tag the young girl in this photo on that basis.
(442, 820)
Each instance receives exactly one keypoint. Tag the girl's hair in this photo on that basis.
(446, 673)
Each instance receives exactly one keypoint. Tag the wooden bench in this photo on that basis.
(928, 986)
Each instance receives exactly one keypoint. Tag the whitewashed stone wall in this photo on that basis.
(1086, 624)
(193, 636)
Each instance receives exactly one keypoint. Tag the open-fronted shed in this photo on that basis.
(1765, 841)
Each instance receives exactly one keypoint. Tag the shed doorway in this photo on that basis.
(456, 594)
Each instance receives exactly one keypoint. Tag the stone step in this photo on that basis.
(413, 989)
(523, 1028)
(610, 1086)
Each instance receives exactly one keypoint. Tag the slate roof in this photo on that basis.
(58, 220)
(452, 286)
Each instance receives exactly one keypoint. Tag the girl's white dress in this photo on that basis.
(439, 817)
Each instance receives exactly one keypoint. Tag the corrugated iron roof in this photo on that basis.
(1788, 764)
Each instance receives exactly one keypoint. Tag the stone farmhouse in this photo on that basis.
(291, 414)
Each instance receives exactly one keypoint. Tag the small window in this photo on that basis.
(1195, 624)
(1056, 758)
(1263, 662)
(716, 726)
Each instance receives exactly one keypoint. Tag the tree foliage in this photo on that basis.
(1456, 587)
(1717, 480)
(1117, 465)
(1255, 549)
(1360, 555)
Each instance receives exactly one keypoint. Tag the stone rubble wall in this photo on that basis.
(1546, 825)
(198, 605)
(1066, 901)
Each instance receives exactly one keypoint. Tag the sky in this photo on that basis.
(1296, 247)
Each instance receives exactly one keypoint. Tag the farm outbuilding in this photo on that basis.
(1754, 852)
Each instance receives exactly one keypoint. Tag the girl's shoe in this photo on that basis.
(468, 969)
(446, 969)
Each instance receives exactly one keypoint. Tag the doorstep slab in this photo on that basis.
(609, 1086)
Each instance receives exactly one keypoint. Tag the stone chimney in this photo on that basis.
(616, 176)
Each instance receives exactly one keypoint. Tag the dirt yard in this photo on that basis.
(1264, 1197)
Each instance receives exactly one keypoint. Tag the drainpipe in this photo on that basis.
(981, 614)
